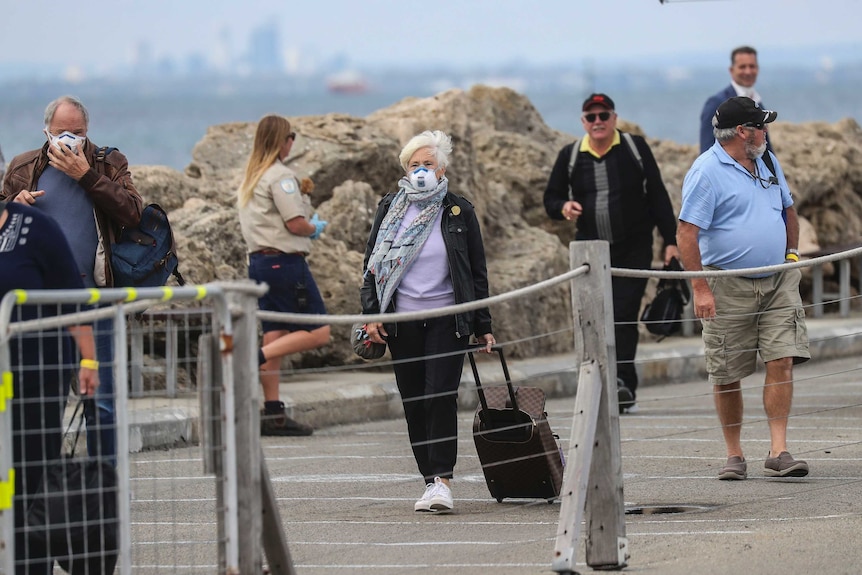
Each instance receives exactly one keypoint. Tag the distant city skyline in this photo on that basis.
(124, 37)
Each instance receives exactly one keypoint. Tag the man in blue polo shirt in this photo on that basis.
(737, 215)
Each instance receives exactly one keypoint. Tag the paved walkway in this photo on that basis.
(342, 397)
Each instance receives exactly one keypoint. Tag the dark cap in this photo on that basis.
(740, 111)
(598, 100)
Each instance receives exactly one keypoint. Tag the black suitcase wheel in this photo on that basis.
(499, 500)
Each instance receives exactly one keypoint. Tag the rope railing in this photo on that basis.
(316, 319)
(632, 273)
(518, 293)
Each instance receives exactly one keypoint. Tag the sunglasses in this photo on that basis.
(291, 136)
(603, 116)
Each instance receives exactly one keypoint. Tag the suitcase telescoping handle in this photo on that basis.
(479, 390)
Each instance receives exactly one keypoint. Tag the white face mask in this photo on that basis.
(422, 179)
(71, 141)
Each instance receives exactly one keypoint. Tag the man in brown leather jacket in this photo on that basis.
(108, 187)
(90, 193)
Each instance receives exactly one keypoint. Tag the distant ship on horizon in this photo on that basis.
(347, 82)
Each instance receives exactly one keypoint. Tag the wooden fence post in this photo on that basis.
(592, 308)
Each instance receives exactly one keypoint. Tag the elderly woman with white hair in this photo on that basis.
(425, 251)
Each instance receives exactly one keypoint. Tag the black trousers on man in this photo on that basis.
(429, 390)
(627, 295)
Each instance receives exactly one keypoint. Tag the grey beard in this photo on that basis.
(754, 152)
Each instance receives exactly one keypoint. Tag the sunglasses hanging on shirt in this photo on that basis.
(770, 182)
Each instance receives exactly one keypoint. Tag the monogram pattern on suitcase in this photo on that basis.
(530, 399)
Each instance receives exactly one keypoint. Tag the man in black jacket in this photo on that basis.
(612, 189)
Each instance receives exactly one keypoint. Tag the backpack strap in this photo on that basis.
(572, 159)
(101, 154)
(767, 159)
(180, 279)
(770, 165)
(630, 143)
(176, 273)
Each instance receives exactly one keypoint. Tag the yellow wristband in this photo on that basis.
(791, 256)
(89, 364)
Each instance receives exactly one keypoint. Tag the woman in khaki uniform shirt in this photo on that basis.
(275, 215)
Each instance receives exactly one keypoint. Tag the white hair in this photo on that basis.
(439, 142)
(51, 109)
(724, 134)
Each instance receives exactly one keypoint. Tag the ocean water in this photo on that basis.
(156, 128)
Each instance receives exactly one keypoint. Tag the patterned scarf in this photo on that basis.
(390, 260)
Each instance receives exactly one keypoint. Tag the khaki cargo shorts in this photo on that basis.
(754, 315)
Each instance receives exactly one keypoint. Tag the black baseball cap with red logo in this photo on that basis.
(602, 100)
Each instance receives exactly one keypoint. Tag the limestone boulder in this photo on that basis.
(350, 213)
(209, 242)
(823, 165)
(164, 186)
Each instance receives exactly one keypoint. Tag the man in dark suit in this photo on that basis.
(743, 75)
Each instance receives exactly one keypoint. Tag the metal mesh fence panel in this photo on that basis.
(129, 477)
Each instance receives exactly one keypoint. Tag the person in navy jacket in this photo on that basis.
(743, 74)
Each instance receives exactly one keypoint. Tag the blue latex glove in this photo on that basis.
(318, 224)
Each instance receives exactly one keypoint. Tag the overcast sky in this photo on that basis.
(456, 32)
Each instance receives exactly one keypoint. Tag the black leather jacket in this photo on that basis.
(466, 252)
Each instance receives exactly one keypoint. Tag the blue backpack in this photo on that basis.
(145, 256)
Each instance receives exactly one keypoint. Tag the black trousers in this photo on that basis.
(627, 296)
(429, 390)
(37, 436)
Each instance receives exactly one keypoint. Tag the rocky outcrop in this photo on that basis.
(503, 153)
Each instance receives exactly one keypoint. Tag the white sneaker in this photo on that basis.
(441, 497)
(632, 409)
(424, 503)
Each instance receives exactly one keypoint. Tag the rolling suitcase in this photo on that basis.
(519, 453)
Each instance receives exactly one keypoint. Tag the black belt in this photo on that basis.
(275, 252)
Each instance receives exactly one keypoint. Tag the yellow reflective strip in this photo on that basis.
(95, 296)
(202, 292)
(131, 294)
(20, 296)
(6, 389)
(7, 491)
(167, 294)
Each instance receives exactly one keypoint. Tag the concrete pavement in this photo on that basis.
(342, 397)
(345, 495)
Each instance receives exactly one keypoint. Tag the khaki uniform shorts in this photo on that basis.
(754, 315)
